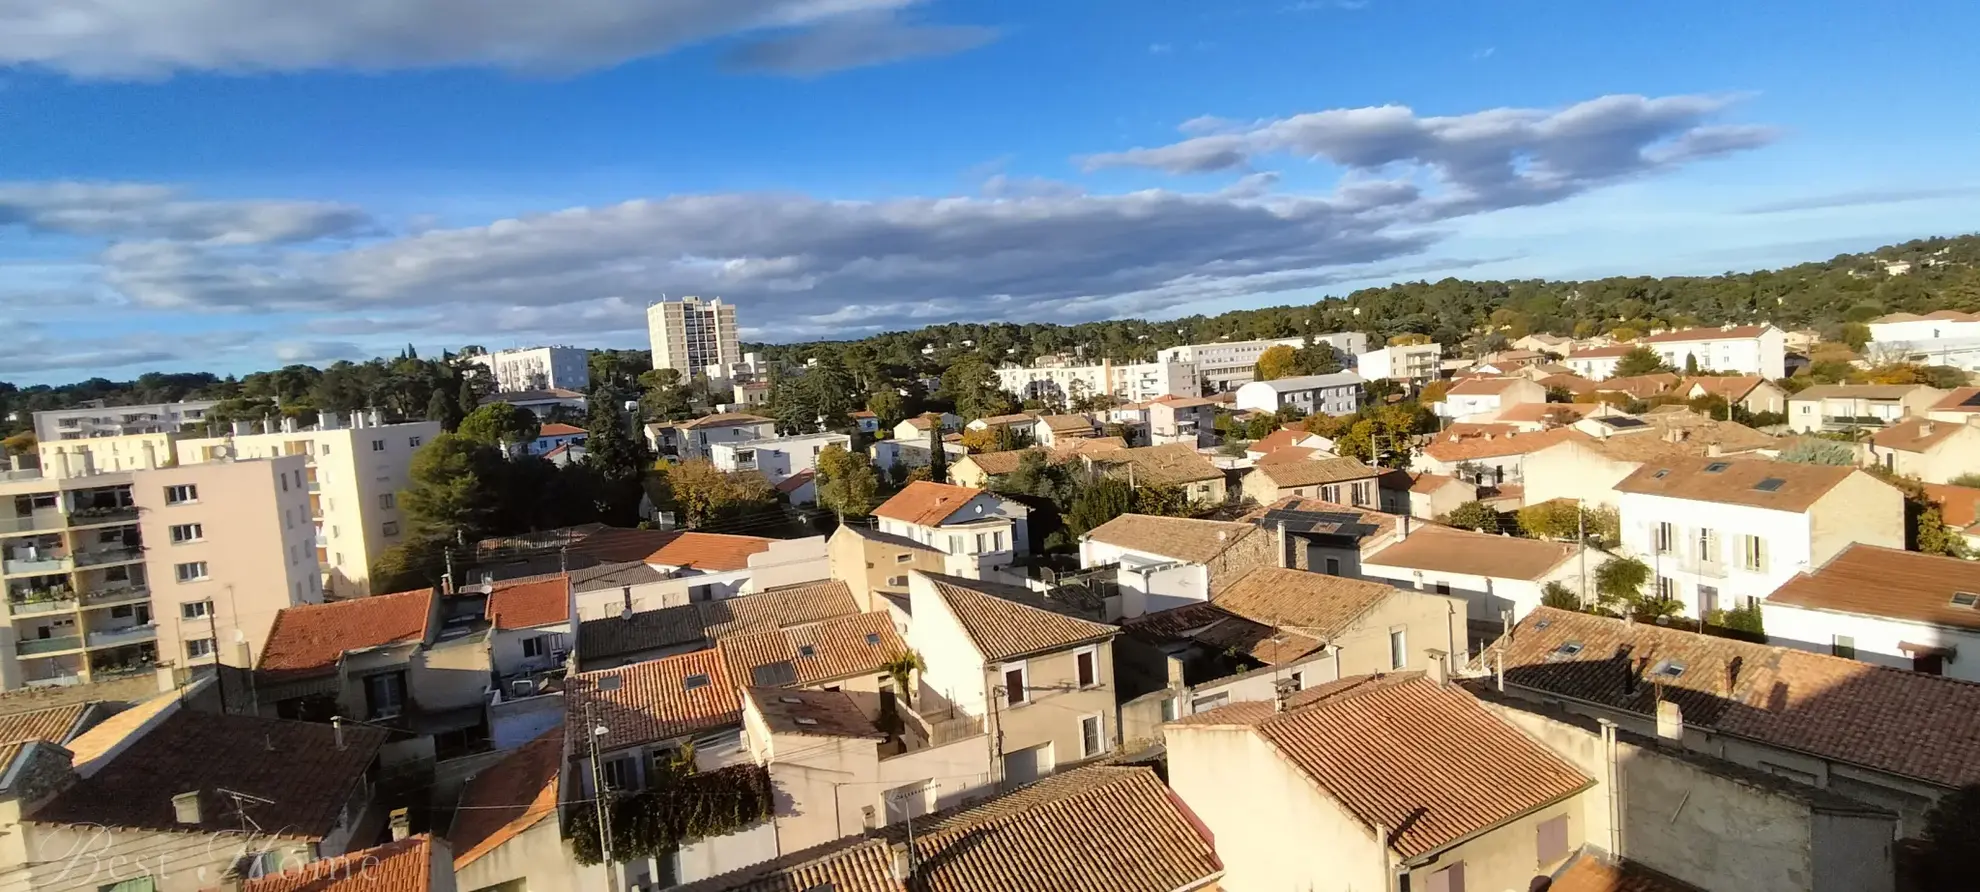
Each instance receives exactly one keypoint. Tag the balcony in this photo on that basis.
(89, 517)
(42, 521)
(36, 603)
(109, 556)
(41, 646)
(121, 637)
(38, 565)
(129, 594)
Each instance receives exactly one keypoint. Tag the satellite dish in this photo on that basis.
(223, 452)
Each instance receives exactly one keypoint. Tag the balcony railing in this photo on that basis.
(91, 516)
(38, 646)
(122, 595)
(31, 523)
(35, 603)
(130, 635)
(39, 565)
(108, 556)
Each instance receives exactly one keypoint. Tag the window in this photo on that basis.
(699, 593)
(1092, 738)
(387, 501)
(289, 518)
(1664, 537)
(1331, 493)
(1398, 648)
(536, 646)
(181, 494)
(1843, 646)
(621, 773)
(904, 557)
(1753, 553)
(1015, 693)
(285, 482)
(1551, 842)
(694, 682)
(1333, 566)
(191, 571)
(1708, 599)
(378, 445)
(199, 648)
(955, 545)
(412, 442)
(187, 532)
(997, 540)
(1086, 665)
(1171, 709)
(1443, 588)
(326, 449)
(1667, 588)
(390, 528)
(1708, 545)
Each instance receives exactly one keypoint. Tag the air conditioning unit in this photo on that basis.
(522, 688)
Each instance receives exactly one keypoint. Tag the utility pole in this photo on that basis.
(219, 669)
(599, 793)
(1581, 537)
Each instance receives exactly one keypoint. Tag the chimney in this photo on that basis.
(1925, 428)
(1713, 450)
(377, 418)
(13, 462)
(243, 428)
(1285, 558)
(903, 862)
(1440, 670)
(1670, 721)
(337, 727)
(185, 807)
(326, 420)
(1732, 676)
(1499, 670)
(401, 823)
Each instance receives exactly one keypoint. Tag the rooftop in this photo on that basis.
(1172, 464)
(55, 724)
(1312, 382)
(1571, 383)
(1484, 386)
(526, 605)
(1707, 334)
(310, 639)
(1755, 483)
(1317, 517)
(1959, 399)
(1905, 723)
(1916, 434)
(1426, 761)
(1868, 580)
(1429, 483)
(1314, 604)
(708, 551)
(1221, 630)
(404, 865)
(1451, 550)
(1060, 424)
(926, 503)
(559, 429)
(724, 419)
(1613, 350)
(789, 605)
(1640, 386)
(1278, 439)
(1588, 873)
(1959, 506)
(1006, 621)
(654, 701)
(1448, 449)
(1732, 387)
(1315, 472)
(812, 713)
(1857, 391)
(1534, 413)
(503, 800)
(1180, 538)
(861, 644)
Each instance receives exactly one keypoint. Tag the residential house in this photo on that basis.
(1499, 577)
(1322, 792)
(1886, 606)
(756, 394)
(1641, 387)
(1289, 435)
(777, 458)
(710, 566)
(1886, 737)
(979, 533)
(1052, 429)
(1847, 407)
(1528, 418)
(1189, 420)
(1721, 533)
(416, 863)
(1489, 460)
(1932, 451)
(566, 455)
(1435, 495)
(848, 653)
(1326, 537)
(1961, 405)
(911, 454)
(916, 428)
(694, 439)
(1943, 337)
(1340, 480)
(1587, 468)
(1750, 392)
(875, 564)
(530, 633)
(505, 826)
(554, 435)
(1019, 424)
(628, 638)
(1747, 349)
(1175, 465)
(867, 422)
(93, 419)
(979, 468)
(1542, 342)
(546, 403)
(1597, 363)
(1164, 562)
(1338, 393)
(159, 792)
(1959, 507)
(1040, 677)
(1484, 398)
(1414, 363)
(1573, 384)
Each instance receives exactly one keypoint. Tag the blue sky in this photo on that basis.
(233, 184)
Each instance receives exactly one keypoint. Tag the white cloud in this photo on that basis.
(150, 38)
(151, 211)
(855, 41)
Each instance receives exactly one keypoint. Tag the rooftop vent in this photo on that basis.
(694, 681)
(1716, 467)
(185, 807)
(805, 721)
(1965, 599)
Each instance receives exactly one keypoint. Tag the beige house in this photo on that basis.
(1343, 481)
(916, 428)
(978, 469)
(1484, 398)
(652, 634)
(1050, 429)
(875, 564)
(505, 825)
(1932, 451)
(1488, 460)
(1164, 562)
(1495, 575)
(1330, 789)
(1435, 495)
(1041, 678)
(1961, 405)
(1841, 407)
(1587, 468)
(1175, 465)
(1750, 392)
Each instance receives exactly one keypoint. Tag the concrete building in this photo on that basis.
(916, 428)
(777, 458)
(1165, 562)
(1724, 533)
(1486, 397)
(1413, 363)
(1335, 394)
(1187, 420)
(1748, 349)
(354, 473)
(1885, 606)
(1488, 460)
(1057, 430)
(1497, 577)
(1063, 385)
(1931, 451)
(1597, 363)
(111, 573)
(691, 335)
(979, 534)
(695, 438)
(547, 403)
(94, 419)
(538, 368)
(1848, 407)
(1224, 366)
(1943, 337)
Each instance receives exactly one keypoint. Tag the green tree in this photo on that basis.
(1559, 596)
(1099, 501)
(1620, 580)
(1970, 479)
(418, 562)
(847, 483)
(500, 424)
(451, 492)
(1815, 451)
(1856, 335)
(441, 407)
(972, 386)
(1934, 537)
(619, 458)
(1475, 515)
(1278, 361)
(1640, 361)
(663, 397)
(705, 494)
(938, 458)
(1317, 359)
(887, 406)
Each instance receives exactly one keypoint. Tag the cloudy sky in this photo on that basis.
(235, 184)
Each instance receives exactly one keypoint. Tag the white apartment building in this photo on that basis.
(776, 458)
(1127, 382)
(691, 334)
(1410, 362)
(1227, 365)
(978, 533)
(1720, 533)
(1945, 337)
(1597, 363)
(1845, 407)
(1749, 349)
(354, 473)
(696, 438)
(110, 573)
(1335, 394)
(538, 368)
(94, 419)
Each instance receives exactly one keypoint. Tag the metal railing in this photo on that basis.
(108, 556)
(36, 646)
(31, 523)
(130, 635)
(88, 516)
(116, 595)
(39, 565)
(31, 605)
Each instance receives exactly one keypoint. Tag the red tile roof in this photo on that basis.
(651, 702)
(1959, 506)
(1587, 873)
(1886, 582)
(1449, 450)
(1641, 386)
(1313, 604)
(404, 865)
(795, 482)
(559, 429)
(1451, 550)
(818, 653)
(1959, 399)
(1484, 386)
(1006, 622)
(1732, 387)
(1916, 434)
(1736, 482)
(926, 503)
(709, 551)
(309, 639)
(1612, 350)
(1340, 469)
(507, 798)
(1278, 439)
(1706, 334)
(56, 724)
(530, 604)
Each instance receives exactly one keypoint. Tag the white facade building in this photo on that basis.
(1410, 362)
(1750, 349)
(978, 533)
(691, 334)
(1881, 605)
(1335, 394)
(1126, 382)
(538, 368)
(1488, 396)
(1597, 363)
(695, 439)
(1227, 365)
(97, 420)
(776, 458)
(1945, 337)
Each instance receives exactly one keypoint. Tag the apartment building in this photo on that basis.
(1944, 337)
(1227, 365)
(109, 573)
(1417, 363)
(693, 439)
(1848, 407)
(538, 368)
(94, 419)
(1597, 363)
(692, 335)
(1748, 349)
(1335, 394)
(1720, 533)
(354, 473)
(1062, 384)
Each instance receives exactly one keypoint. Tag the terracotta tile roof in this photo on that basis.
(897, 541)
(1024, 418)
(1681, 434)
(857, 413)
(503, 800)
(404, 865)
(1172, 464)
(616, 574)
(924, 421)
(1960, 399)
(1732, 387)
(296, 766)
(1905, 723)
(618, 545)
(1221, 629)
(1735, 482)
(1285, 454)
(812, 713)
(1483, 386)
(1279, 439)
(1448, 450)
(1181, 538)
(1451, 550)
(1706, 334)
(1856, 391)
(997, 464)
(559, 429)
(1959, 506)
(530, 604)
(843, 865)
(1067, 424)
(1613, 350)
(1097, 829)
(56, 724)
(101, 741)
(784, 606)
(926, 503)
(1588, 873)
(310, 639)
(795, 482)
(600, 639)
(651, 702)
(1312, 603)
(1916, 434)
(1426, 761)
(737, 419)
(1904, 585)
(123, 690)
(709, 551)
(1640, 386)
(817, 653)
(1574, 384)
(1429, 483)
(1313, 473)
(1534, 413)
(1466, 429)
(1006, 621)
(1183, 402)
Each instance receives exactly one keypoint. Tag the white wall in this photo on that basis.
(955, 668)
(1876, 638)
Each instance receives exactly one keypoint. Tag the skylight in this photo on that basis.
(806, 650)
(1716, 467)
(1569, 649)
(1771, 484)
(1965, 599)
(1662, 473)
(609, 683)
(790, 700)
(1667, 669)
(805, 721)
(872, 638)
(691, 682)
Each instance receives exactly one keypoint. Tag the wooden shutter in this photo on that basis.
(1450, 879)
(1552, 843)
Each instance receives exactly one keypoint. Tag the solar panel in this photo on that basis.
(773, 675)
(1296, 521)
(1973, 400)
(1620, 422)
